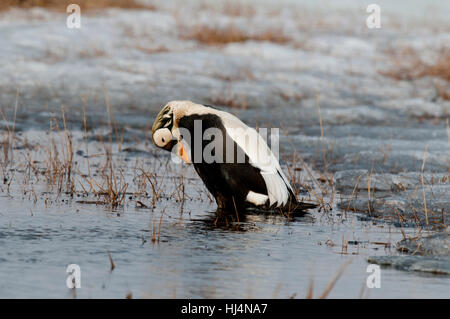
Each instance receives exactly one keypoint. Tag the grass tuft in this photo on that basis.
(208, 35)
(84, 4)
(409, 66)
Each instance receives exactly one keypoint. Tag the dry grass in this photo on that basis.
(441, 68)
(231, 34)
(152, 49)
(443, 91)
(60, 159)
(113, 186)
(157, 188)
(51, 159)
(236, 9)
(47, 168)
(111, 261)
(156, 236)
(318, 191)
(331, 284)
(229, 8)
(227, 98)
(228, 101)
(409, 66)
(333, 281)
(93, 52)
(84, 4)
(322, 189)
(8, 145)
(55, 54)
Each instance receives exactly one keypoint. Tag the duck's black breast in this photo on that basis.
(225, 178)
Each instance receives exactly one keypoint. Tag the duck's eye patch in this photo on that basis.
(162, 136)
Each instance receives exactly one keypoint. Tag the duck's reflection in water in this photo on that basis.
(249, 220)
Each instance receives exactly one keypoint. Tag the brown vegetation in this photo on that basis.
(236, 9)
(441, 68)
(228, 101)
(218, 36)
(229, 8)
(84, 4)
(410, 66)
(152, 49)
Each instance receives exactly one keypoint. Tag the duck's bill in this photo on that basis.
(182, 152)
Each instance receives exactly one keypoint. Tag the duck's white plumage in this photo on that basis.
(254, 146)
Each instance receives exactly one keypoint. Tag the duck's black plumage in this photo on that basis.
(228, 182)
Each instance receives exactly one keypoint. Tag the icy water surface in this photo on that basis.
(270, 257)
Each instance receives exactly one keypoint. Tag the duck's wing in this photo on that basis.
(255, 147)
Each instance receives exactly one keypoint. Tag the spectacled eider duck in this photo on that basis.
(241, 171)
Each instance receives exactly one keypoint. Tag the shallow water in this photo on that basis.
(269, 256)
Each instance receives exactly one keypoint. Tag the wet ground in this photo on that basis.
(380, 158)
